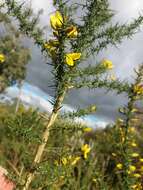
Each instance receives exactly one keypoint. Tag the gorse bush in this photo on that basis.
(73, 157)
(79, 155)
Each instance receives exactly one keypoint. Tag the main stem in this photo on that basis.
(45, 137)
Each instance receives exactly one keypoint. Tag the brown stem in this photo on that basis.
(13, 167)
(41, 147)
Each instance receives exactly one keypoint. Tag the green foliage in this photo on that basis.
(13, 69)
(97, 172)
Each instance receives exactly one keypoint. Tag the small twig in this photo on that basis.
(13, 167)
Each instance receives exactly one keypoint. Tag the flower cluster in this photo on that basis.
(58, 24)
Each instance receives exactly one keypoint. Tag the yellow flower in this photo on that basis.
(138, 89)
(52, 45)
(85, 149)
(134, 155)
(75, 160)
(64, 161)
(132, 168)
(71, 57)
(136, 175)
(141, 159)
(87, 129)
(119, 166)
(56, 21)
(56, 163)
(131, 129)
(128, 172)
(72, 32)
(134, 110)
(94, 180)
(137, 186)
(133, 144)
(107, 64)
(2, 58)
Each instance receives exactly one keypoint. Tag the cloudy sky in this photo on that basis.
(125, 58)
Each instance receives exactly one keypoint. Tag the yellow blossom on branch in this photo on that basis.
(64, 161)
(131, 129)
(72, 32)
(137, 186)
(52, 45)
(85, 149)
(119, 166)
(132, 168)
(134, 110)
(94, 180)
(71, 58)
(75, 160)
(141, 159)
(56, 21)
(107, 64)
(136, 175)
(133, 144)
(134, 155)
(138, 89)
(2, 58)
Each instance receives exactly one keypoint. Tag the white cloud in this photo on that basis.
(47, 6)
(126, 9)
(35, 97)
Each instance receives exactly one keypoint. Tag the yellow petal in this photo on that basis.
(132, 168)
(53, 21)
(59, 17)
(75, 56)
(134, 155)
(119, 166)
(2, 58)
(107, 64)
(51, 43)
(75, 160)
(72, 32)
(69, 60)
(56, 20)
